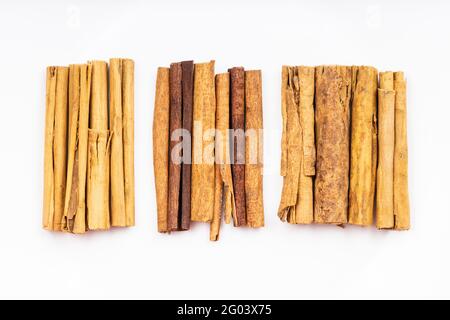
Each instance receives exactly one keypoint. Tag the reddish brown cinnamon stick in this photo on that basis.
(237, 77)
(175, 123)
(188, 92)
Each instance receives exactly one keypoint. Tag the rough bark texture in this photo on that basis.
(333, 91)
(254, 149)
(203, 168)
(237, 78)
(55, 153)
(161, 145)
(363, 145)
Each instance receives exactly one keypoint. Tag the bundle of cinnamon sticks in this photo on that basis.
(207, 147)
(344, 147)
(89, 147)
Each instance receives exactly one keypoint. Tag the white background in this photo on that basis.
(279, 261)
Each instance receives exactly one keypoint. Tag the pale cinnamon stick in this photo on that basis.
(74, 219)
(333, 91)
(118, 215)
(253, 149)
(203, 169)
(128, 138)
(55, 154)
(363, 150)
(386, 139)
(99, 152)
(237, 92)
(161, 137)
(175, 124)
(401, 197)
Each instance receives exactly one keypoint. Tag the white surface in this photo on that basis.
(279, 261)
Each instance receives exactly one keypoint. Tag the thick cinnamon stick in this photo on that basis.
(55, 157)
(363, 155)
(386, 141)
(161, 145)
(333, 91)
(99, 152)
(254, 149)
(203, 169)
(401, 197)
(118, 216)
(237, 79)
(297, 199)
(188, 100)
(74, 219)
(128, 138)
(175, 124)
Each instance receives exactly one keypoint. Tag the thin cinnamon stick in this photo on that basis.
(363, 155)
(55, 158)
(99, 152)
(401, 197)
(161, 145)
(253, 149)
(386, 139)
(284, 136)
(118, 215)
(203, 169)
(237, 79)
(175, 124)
(333, 91)
(74, 219)
(128, 138)
(188, 92)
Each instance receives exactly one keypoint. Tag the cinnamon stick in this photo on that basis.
(128, 138)
(118, 215)
(99, 151)
(237, 79)
(188, 92)
(284, 135)
(175, 124)
(253, 149)
(55, 158)
(161, 145)
(386, 139)
(363, 150)
(401, 197)
(203, 169)
(74, 219)
(333, 91)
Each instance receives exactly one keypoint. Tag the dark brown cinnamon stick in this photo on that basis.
(175, 123)
(188, 92)
(237, 77)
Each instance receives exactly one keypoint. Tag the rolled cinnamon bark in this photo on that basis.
(188, 92)
(401, 197)
(297, 199)
(128, 138)
(254, 149)
(55, 154)
(386, 141)
(118, 215)
(161, 116)
(284, 136)
(223, 198)
(175, 124)
(332, 96)
(237, 78)
(363, 149)
(203, 169)
(74, 219)
(99, 151)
